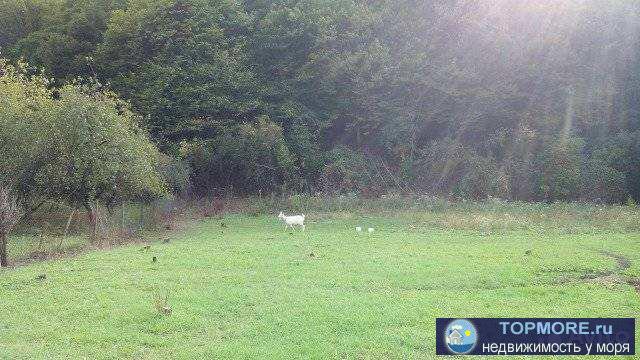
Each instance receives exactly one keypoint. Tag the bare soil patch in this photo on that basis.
(612, 277)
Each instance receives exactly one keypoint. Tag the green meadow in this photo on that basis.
(240, 286)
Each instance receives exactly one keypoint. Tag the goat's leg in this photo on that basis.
(303, 228)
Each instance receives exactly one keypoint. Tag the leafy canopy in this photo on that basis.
(75, 143)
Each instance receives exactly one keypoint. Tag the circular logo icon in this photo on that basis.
(460, 336)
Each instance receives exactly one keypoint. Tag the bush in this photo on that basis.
(176, 173)
(480, 179)
(447, 167)
(622, 153)
(604, 183)
(349, 171)
(247, 157)
(439, 166)
(559, 169)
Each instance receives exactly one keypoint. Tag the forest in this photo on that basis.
(518, 100)
(319, 179)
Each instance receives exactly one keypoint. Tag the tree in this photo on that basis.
(181, 63)
(10, 213)
(76, 144)
(99, 153)
(387, 83)
(23, 102)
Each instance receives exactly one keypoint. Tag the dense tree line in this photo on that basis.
(528, 100)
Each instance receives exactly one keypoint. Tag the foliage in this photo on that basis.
(252, 157)
(176, 174)
(181, 63)
(560, 169)
(604, 180)
(25, 118)
(448, 97)
(75, 144)
(346, 171)
(480, 180)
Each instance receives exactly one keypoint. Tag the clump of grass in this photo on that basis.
(161, 302)
(212, 208)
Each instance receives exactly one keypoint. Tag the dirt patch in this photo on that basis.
(607, 277)
(623, 262)
(597, 276)
(615, 277)
(607, 280)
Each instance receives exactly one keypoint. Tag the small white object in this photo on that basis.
(371, 230)
(358, 228)
(292, 220)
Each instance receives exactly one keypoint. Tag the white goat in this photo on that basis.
(292, 220)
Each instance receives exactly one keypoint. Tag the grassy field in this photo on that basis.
(242, 287)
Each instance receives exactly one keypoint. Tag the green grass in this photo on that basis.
(25, 248)
(252, 290)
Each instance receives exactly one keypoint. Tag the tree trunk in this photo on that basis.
(91, 215)
(66, 229)
(122, 222)
(3, 250)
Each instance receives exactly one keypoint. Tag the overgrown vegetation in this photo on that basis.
(49, 234)
(76, 145)
(519, 100)
(491, 147)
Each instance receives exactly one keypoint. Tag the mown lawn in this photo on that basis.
(242, 287)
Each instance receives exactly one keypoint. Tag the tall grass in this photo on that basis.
(57, 229)
(43, 235)
(427, 211)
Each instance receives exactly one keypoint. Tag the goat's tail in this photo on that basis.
(303, 216)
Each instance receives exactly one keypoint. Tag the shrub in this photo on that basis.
(559, 169)
(346, 171)
(439, 166)
(176, 173)
(447, 167)
(604, 183)
(248, 157)
(480, 179)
